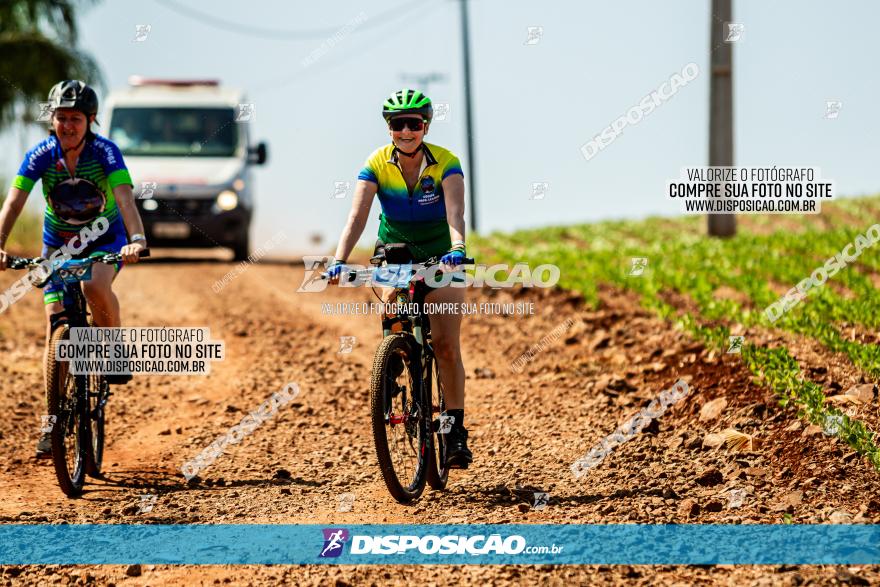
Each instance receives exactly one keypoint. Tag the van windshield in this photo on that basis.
(163, 132)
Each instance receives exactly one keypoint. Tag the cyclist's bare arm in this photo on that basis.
(132, 220)
(453, 190)
(12, 207)
(364, 192)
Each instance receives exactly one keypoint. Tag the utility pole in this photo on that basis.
(469, 125)
(721, 105)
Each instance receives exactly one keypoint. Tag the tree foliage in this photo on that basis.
(38, 42)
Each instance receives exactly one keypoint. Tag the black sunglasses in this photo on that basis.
(414, 124)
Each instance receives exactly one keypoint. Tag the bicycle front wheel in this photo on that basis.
(96, 391)
(401, 417)
(68, 415)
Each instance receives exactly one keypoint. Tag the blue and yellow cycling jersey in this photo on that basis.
(417, 218)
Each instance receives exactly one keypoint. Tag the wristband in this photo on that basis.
(137, 237)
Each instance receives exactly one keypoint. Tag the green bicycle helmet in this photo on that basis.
(407, 101)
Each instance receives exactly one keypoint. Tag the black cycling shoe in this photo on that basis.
(44, 446)
(458, 456)
(118, 379)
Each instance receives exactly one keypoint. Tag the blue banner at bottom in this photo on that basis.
(611, 544)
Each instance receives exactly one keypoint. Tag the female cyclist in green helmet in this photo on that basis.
(421, 190)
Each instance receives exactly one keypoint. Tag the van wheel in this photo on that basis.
(241, 249)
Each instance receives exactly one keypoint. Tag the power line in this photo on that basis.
(357, 50)
(284, 35)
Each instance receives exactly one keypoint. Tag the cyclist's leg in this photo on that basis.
(102, 301)
(52, 295)
(53, 304)
(51, 308)
(445, 332)
(99, 294)
(104, 306)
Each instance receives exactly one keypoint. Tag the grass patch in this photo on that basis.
(682, 259)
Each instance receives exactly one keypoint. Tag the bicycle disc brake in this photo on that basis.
(413, 417)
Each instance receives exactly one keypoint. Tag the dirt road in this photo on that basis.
(526, 430)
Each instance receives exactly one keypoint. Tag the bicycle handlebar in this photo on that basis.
(28, 262)
(352, 275)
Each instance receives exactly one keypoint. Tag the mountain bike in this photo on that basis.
(406, 389)
(76, 403)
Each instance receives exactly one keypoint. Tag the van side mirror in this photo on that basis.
(257, 155)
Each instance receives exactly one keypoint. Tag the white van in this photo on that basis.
(187, 146)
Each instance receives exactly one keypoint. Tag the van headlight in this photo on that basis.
(227, 200)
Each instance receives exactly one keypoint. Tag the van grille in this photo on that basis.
(178, 207)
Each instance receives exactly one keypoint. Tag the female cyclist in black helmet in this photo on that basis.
(83, 177)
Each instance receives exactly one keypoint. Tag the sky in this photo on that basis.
(534, 103)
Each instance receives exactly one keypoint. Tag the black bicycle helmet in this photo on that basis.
(74, 94)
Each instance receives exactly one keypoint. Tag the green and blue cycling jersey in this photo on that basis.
(417, 218)
(101, 163)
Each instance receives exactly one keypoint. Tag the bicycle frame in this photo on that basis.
(418, 324)
(75, 311)
(80, 406)
(407, 335)
(76, 315)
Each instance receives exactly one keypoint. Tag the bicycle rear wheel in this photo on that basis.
(438, 472)
(400, 417)
(70, 430)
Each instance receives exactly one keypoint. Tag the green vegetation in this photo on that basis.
(725, 286)
(38, 41)
(26, 234)
(26, 237)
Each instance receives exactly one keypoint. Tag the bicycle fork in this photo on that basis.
(103, 394)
